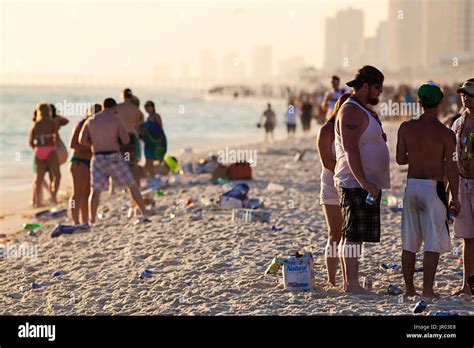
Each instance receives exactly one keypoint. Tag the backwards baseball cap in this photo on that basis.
(367, 74)
(430, 93)
(467, 88)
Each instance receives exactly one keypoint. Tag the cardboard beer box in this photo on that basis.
(298, 272)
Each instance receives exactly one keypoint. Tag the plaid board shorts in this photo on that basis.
(361, 221)
(111, 165)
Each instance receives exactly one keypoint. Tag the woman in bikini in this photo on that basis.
(42, 139)
(80, 172)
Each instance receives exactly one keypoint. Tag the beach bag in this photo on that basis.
(61, 151)
(239, 171)
(298, 272)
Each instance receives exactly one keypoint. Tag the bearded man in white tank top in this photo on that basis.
(362, 168)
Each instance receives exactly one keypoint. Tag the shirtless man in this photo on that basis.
(132, 118)
(102, 133)
(330, 97)
(428, 147)
(362, 169)
(464, 222)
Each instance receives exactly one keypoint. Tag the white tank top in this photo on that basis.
(374, 155)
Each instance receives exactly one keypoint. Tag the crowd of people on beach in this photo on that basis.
(355, 160)
(356, 168)
(106, 149)
(316, 106)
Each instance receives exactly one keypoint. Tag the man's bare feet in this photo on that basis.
(410, 292)
(358, 290)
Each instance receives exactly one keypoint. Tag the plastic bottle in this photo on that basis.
(369, 200)
(31, 227)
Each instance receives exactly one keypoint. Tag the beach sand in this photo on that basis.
(214, 266)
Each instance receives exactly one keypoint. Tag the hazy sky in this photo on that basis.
(129, 37)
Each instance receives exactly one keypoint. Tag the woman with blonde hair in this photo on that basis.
(329, 198)
(43, 136)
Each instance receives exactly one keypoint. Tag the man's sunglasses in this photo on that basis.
(376, 85)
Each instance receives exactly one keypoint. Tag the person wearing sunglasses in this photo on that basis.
(362, 170)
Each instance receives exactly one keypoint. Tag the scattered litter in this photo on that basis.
(254, 203)
(235, 198)
(420, 307)
(182, 299)
(68, 229)
(188, 283)
(274, 228)
(446, 314)
(22, 288)
(160, 193)
(299, 155)
(394, 290)
(124, 207)
(36, 286)
(250, 215)
(273, 267)
(298, 272)
(196, 216)
(31, 227)
(57, 274)
(272, 187)
(367, 283)
(141, 220)
(311, 229)
(52, 213)
(32, 234)
(146, 274)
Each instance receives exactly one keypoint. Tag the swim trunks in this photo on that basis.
(424, 217)
(361, 221)
(111, 165)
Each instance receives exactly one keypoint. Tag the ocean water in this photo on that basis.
(190, 120)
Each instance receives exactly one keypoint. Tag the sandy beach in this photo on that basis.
(214, 266)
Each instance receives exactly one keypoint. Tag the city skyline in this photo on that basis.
(340, 39)
(52, 38)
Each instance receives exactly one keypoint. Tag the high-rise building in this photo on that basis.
(344, 40)
(208, 65)
(262, 68)
(291, 67)
(233, 68)
(404, 34)
(375, 48)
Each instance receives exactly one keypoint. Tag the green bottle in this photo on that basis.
(159, 193)
(31, 227)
